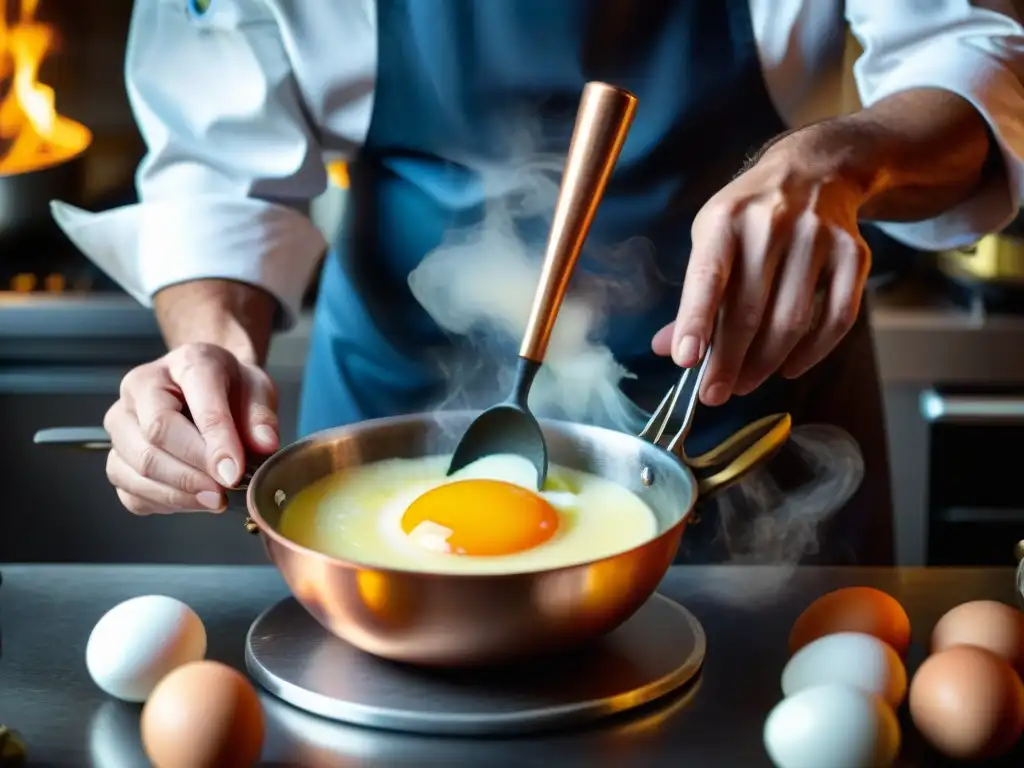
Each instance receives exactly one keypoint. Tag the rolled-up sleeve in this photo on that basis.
(232, 161)
(975, 50)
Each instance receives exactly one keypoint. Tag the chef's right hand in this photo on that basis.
(163, 461)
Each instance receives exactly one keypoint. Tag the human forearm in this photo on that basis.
(228, 314)
(909, 157)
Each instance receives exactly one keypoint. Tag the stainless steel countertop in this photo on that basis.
(47, 612)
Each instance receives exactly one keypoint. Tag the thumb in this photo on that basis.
(258, 411)
(662, 341)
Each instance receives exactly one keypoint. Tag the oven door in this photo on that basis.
(976, 474)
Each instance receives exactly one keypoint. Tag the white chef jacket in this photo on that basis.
(241, 107)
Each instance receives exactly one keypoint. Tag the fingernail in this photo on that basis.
(265, 435)
(209, 499)
(228, 471)
(688, 351)
(717, 394)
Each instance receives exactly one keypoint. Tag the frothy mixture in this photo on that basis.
(405, 513)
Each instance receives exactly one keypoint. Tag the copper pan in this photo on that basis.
(462, 619)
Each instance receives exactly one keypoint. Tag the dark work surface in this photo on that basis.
(47, 612)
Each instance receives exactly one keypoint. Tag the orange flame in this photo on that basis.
(32, 134)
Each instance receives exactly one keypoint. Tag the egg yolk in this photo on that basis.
(484, 517)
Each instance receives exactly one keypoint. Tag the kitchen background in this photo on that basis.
(949, 331)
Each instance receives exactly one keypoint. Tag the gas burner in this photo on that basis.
(653, 654)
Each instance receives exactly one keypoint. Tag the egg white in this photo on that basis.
(356, 515)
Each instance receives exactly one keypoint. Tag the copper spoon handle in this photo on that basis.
(602, 122)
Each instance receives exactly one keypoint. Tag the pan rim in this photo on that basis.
(269, 532)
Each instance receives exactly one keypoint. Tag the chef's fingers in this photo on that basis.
(148, 459)
(206, 376)
(766, 227)
(258, 410)
(143, 496)
(138, 506)
(661, 344)
(792, 308)
(150, 398)
(849, 265)
(707, 275)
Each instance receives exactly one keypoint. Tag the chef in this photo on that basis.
(241, 103)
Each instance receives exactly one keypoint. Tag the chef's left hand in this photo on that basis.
(762, 247)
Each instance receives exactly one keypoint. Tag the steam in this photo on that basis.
(775, 516)
(479, 284)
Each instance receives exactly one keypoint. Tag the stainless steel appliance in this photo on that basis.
(975, 496)
(990, 271)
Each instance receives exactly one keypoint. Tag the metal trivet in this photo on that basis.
(652, 654)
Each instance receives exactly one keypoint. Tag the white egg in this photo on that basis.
(832, 726)
(848, 658)
(389, 525)
(137, 643)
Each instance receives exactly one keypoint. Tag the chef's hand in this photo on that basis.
(163, 461)
(762, 247)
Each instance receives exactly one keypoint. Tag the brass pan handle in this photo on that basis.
(733, 458)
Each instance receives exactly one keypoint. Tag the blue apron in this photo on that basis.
(453, 75)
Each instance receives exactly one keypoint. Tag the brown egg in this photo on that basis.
(853, 609)
(968, 703)
(203, 715)
(988, 624)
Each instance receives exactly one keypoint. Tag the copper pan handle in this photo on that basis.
(97, 439)
(602, 123)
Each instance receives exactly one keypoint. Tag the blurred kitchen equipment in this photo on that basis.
(40, 149)
(972, 495)
(602, 123)
(990, 272)
(25, 197)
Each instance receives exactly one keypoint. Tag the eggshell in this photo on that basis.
(848, 658)
(832, 726)
(853, 609)
(968, 703)
(203, 715)
(136, 643)
(987, 624)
